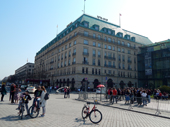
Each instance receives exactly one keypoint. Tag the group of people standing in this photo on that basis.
(14, 93)
(131, 94)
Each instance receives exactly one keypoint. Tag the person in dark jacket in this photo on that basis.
(3, 92)
(25, 98)
(37, 96)
(12, 93)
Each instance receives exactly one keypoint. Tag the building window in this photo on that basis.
(105, 38)
(86, 70)
(113, 48)
(76, 24)
(105, 30)
(123, 50)
(120, 35)
(113, 40)
(99, 71)
(128, 37)
(71, 29)
(59, 50)
(118, 42)
(109, 39)
(105, 53)
(94, 62)
(109, 63)
(92, 70)
(94, 43)
(69, 62)
(86, 24)
(109, 47)
(75, 42)
(119, 65)
(109, 31)
(96, 28)
(109, 54)
(65, 63)
(86, 42)
(99, 54)
(66, 55)
(83, 70)
(69, 45)
(105, 46)
(113, 64)
(74, 60)
(94, 35)
(118, 49)
(85, 51)
(129, 52)
(58, 65)
(96, 72)
(123, 43)
(74, 51)
(128, 44)
(99, 45)
(123, 66)
(69, 53)
(86, 33)
(98, 62)
(99, 37)
(105, 71)
(75, 33)
(66, 47)
(109, 71)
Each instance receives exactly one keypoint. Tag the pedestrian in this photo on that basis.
(114, 95)
(111, 95)
(148, 95)
(3, 92)
(108, 93)
(139, 98)
(43, 101)
(12, 93)
(65, 92)
(16, 94)
(144, 95)
(68, 92)
(127, 96)
(50, 89)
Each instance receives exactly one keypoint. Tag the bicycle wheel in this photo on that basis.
(33, 112)
(84, 112)
(21, 112)
(95, 116)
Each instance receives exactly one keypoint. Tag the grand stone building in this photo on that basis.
(24, 72)
(91, 50)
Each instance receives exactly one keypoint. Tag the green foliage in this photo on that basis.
(164, 89)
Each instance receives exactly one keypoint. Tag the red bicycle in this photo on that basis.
(94, 115)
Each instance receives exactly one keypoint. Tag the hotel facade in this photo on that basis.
(91, 51)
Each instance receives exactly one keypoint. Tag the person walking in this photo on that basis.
(43, 101)
(68, 92)
(50, 89)
(114, 95)
(144, 95)
(65, 92)
(16, 94)
(12, 93)
(3, 92)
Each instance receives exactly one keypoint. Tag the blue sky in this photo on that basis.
(26, 26)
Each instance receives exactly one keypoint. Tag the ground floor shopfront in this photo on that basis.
(80, 80)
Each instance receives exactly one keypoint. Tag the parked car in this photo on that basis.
(31, 89)
(60, 90)
(23, 87)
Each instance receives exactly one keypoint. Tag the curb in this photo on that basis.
(128, 110)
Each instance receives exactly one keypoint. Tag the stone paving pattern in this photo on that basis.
(67, 113)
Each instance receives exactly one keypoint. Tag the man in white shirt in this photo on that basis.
(144, 95)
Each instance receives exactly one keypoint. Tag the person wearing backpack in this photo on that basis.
(43, 100)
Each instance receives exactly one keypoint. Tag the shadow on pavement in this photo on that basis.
(13, 118)
(82, 122)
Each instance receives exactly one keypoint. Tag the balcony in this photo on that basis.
(74, 54)
(51, 68)
(85, 53)
(129, 61)
(51, 62)
(85, 62)
(73, 63)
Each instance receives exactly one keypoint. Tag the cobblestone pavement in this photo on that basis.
(67, 113)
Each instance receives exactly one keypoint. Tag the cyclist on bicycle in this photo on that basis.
(24, 97)
(37, 96)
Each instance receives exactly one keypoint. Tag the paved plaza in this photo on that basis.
(67, 113)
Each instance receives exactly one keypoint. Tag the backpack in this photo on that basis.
(46, 97)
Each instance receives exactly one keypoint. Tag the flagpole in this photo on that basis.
(119, 21)
(84, 6)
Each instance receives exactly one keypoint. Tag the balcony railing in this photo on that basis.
(85, 62)
(86, 53)
(129, 61)
(74, 53)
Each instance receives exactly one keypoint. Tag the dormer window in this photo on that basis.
(96, 28)
(120, 35)
(133, 38)
(128, 37)
(76, 24)
(64, 34)
(71, 29)
(86, 24)
(67, 31)
(113, 33)
(109, 31)
(105, 30)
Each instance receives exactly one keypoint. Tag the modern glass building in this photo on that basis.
(154, 65)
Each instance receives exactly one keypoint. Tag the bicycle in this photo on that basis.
(21, 107)
(33, 110)
(93, 114)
